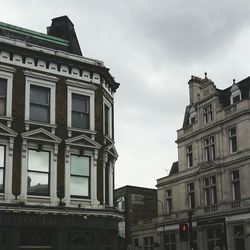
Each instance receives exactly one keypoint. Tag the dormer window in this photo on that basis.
(192, 115)
(235, 93)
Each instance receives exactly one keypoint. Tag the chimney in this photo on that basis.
(194, 89)
(62, 27)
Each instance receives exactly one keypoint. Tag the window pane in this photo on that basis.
(39, 113)
(39, 95)
(38, 183)
(79, 186)
(2, 106)
(79, 165)
(80, 120)
(38, 160)
(2, 148)
(1, 179)
(80, 103)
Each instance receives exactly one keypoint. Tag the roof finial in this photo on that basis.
(205, 75)
(233, 81)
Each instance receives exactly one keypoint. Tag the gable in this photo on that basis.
(83, 141)
(41, 134)
(5, 131)
(112, 150)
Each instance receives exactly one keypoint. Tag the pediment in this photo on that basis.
(5, 131)
(83, 141)
(41, 134)
(112, 150)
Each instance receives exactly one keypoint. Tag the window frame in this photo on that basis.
(209, 148)
(189, 155)
(233, 142)
(107, 104)
(86, 114)
(32, 80)
(191, 195)
(83, 176)
(235, 182)
(168, 241)
(3, 168)
(207, 114)
(36, 104)
(85, 92)
(210, 191)
(43, 172)
(168, 200)
(7, 73)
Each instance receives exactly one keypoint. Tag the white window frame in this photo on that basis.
(92, 178)
(42, 83)
(52, 198)
(84, 92)
(168, 200)
(8, 75)
(7, 195)
(110, 124)
(235, 91)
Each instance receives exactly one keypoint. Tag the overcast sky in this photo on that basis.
(152, 48)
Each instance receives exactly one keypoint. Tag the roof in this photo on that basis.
(174, 169)
(61, 35)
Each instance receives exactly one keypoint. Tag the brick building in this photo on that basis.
(57, 153)
(139, 206)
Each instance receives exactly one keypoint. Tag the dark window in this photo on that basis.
(39, 103)
(136, 242)
(195, 242)
(236, 98)
(214, 237)
(210, 191)
(207, 114)
(170, 241)
(34, 237)
(2, 167)
(38, 172)
(239, 239)
(235, 179)
(106, 119)
(232, 140)
(79, 176)
(189, 156)
(81, 238)
(191, 196)
(209, 148)
(107, 183)
(80, 111)
(3, 96)
(168, 201)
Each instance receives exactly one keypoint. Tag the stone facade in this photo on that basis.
(211, 178)
(57, 153)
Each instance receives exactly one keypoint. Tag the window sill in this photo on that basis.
(36, 123)
(87, 131)
(8, 119)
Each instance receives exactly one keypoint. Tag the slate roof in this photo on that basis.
(174, 169)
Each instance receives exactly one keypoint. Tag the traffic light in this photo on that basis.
(183, 230)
